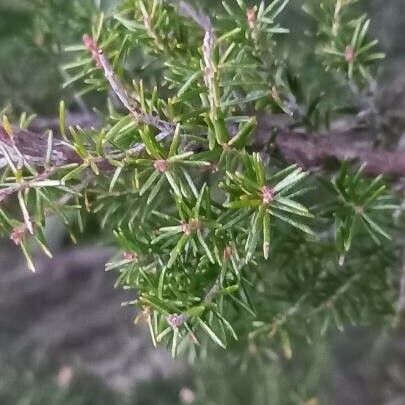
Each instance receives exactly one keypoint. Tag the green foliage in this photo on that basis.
(40, 385)
(263, 377)
(217, 239)
(344, 44)
(32, 37)
(356, 203)
(220, 381)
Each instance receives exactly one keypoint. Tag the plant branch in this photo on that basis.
(37, 181)
(315, 151)
(33, 147)
(306, 149)
(129, 103)
(187, 10)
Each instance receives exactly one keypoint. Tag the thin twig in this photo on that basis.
(20, 231)
(210, 69)
(187, 10)
(34, 182)
(129, 103)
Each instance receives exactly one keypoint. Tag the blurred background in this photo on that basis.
(64, 337)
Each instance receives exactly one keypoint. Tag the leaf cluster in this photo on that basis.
(219, 242)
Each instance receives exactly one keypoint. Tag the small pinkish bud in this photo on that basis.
(130, 256)
(192, 226)
(65, 377)
(187, 396)
(251, 17)
(350, 55)
(161, 166)
(228, 253)
(176, 320)
(185, 228)
(95, 51)
(18, 233)
(267, 194)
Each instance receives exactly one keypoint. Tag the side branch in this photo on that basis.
(187, 10)
(314, 151)
(129, 103)
(39, 181)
